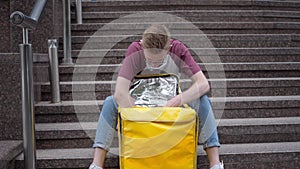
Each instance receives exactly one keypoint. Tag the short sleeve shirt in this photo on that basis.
(180, 61)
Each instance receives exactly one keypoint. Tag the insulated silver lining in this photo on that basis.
(154, 91)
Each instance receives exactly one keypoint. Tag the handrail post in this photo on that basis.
(79, 11)
(54, 73)
(28, 103)
(26, 23)
(67, 32)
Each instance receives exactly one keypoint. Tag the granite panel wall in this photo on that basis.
(10, 97)
(50, 26)
(4, 26)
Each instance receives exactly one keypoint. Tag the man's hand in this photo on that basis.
(122, 95)
(175, 101)
(198, 88)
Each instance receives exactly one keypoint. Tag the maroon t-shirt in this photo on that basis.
(179, 55)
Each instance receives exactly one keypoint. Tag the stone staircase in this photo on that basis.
(249, 51)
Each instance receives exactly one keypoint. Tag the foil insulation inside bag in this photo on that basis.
(154, 90)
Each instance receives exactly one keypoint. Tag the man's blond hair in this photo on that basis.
(156, 38)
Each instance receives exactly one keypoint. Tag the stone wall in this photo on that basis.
(50, 26)
(10, 97)
(4, 26)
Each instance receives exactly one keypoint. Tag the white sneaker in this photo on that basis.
(93, 166)
(218, 166)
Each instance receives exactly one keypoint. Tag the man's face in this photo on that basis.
(155, 60)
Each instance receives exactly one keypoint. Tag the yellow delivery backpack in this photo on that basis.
(158, 137)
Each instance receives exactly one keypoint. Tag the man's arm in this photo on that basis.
(199, 87)
(121, 95)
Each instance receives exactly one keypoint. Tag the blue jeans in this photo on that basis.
(208, 136)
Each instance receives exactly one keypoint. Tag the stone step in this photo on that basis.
(211, 70)
(246, 156)
(161, 5)
(224, 108)
(206, 55)
(9, 149)
(89, 90)
(197, 15)
(180, 25)
(202, 41)
(185, 27)
(231, 131)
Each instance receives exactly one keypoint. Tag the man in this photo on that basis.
(156, 52)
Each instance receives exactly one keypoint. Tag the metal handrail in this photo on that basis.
(67, 32)
(67, 28)
(79, 11)
(26, 23)
(54, 72)
(31, 21)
